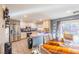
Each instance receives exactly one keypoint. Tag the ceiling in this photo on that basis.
(41, 11)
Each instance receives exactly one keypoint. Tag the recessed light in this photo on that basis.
(40, 19)
(25, 16)
(69, 11)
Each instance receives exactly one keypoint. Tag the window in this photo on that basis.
(71, 26)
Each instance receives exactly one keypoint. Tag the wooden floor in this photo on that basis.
(20, 47)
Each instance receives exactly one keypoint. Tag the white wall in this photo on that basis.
(2, 30)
